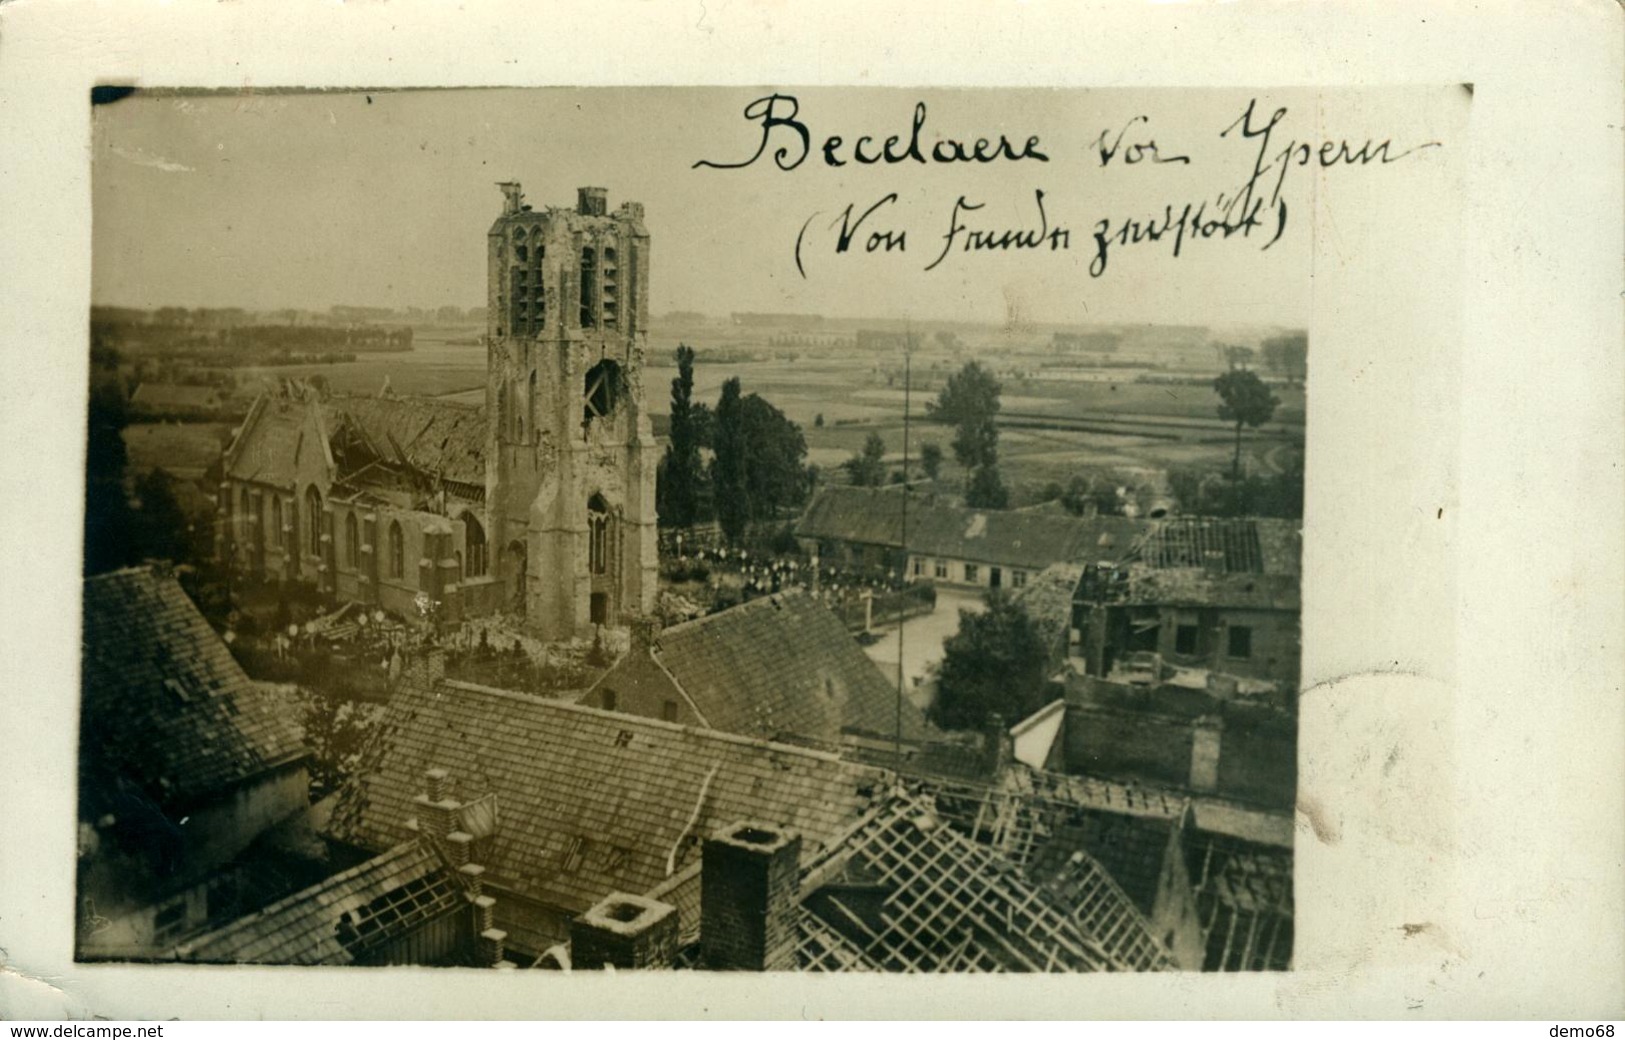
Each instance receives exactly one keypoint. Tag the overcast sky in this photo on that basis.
(312, 199)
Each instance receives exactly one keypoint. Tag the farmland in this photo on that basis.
(1063, 415)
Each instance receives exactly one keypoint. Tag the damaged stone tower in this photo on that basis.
(570, 455)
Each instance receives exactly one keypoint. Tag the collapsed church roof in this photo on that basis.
(437, 438)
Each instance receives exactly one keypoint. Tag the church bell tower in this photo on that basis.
(570, 455)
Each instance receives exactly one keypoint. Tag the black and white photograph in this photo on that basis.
(728, 511)
(807, 530)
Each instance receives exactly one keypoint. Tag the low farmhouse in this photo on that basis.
(953, 545)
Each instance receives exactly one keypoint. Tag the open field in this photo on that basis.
(184, 449)
(1056, 423)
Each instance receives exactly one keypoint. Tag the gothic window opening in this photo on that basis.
(603, 391)
(352, 540)
(518, 574)
(608, 287)
(598, 534)
(313, 520)
(474, 541)
(589, 288)
(519, 313)
(397, 551)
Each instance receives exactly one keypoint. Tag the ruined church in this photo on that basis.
(540, 503)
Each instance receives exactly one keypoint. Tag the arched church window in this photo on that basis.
(597, 534)
(352, 540)
(313, 520)
(589, 288)
(397, 551)
(474, 542)
(603, 390)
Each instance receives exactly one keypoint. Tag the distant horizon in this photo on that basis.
(305, 200)
(666, 315)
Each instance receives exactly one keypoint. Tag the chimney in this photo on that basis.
(511, 197)
(1206, 739)
(437, 810)
(626, 932)
(592, 202)
(749, 882)
(998, 747)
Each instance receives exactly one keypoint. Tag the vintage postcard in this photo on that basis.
(560, 533)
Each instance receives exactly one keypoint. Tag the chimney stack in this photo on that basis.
(592, 202)
(627, 932)
(749, 887)
(1207, 736)
(437, 809)
(998, 747)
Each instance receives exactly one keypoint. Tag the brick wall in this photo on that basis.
(748, 887)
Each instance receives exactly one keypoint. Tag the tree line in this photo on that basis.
(757, 468)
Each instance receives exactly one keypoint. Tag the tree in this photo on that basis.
(1245, 401)
(1288, 355)
(337, 731)
(775, 465)
(109, 520)
(1238, 357)
(931, 458)
(986, 490)
(163, 524)
(969, 403)
(760, 463)
(679, 492)
(728, 473)
(994, 665)
(867, 467)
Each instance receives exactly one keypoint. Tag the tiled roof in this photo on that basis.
(1047, 599)
(591, 802)
(164, 703)
(1244, 901)
(271, 441)
(1246, 545)
(1130, 848)
(784, 665)
(1194, 587)
(367, 904)
(874, 516)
